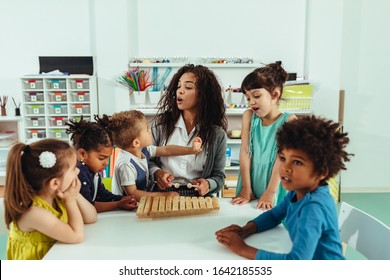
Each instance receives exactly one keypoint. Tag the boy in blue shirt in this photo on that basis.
(310, 151)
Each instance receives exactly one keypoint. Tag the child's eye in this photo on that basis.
(282, 158)
(297, 162)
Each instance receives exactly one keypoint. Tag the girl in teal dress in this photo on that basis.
(258, 177)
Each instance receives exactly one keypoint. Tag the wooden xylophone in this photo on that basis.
(162, 206)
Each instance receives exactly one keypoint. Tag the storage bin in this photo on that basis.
(78, 118)
(33, 84)
(58, 121)
(57, 96)
(80, 96)
(58, 133)
(35, 109)
(36, 133)
(58, 109)
(79, 84)
(7, 138)
(295, 104)
(56, 84)
(33, 96)
(35, 121)
(80, 109)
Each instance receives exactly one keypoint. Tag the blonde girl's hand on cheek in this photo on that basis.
(72, 192)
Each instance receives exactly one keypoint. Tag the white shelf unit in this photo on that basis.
(229, 75)
(51, 101)
(10, 132)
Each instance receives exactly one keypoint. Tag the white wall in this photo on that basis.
(335, 44)
(29, 29)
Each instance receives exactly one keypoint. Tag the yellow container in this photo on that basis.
(295, 91)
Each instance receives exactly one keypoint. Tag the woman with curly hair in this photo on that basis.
(311, 150)
(192, 106)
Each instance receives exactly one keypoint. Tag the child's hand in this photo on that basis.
(233, 228)
(71, 192)
(266, 201)
(232, 241)
(196, 145)
(163, 179)
(242, 198)
(128, 203)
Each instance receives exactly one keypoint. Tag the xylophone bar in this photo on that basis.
(161, 206)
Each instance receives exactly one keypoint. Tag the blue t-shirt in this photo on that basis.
(311, 223)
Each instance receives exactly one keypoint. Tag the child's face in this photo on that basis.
(186, 96)
(145, 135)
(261, 101)
(97, 160)
(296, 171)
(70, 174)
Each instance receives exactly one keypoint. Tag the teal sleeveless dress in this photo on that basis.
(263, 151)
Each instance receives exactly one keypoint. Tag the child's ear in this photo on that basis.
(54, 184)
(136, 143)
(276, 94)
(323, 175)
(81, 154)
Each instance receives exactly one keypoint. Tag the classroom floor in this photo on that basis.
(375, 204)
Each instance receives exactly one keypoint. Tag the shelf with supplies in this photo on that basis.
(51, 101)
(11, 132)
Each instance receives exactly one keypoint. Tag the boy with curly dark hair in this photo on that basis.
(310, 151)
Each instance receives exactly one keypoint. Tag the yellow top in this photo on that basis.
(33, 245)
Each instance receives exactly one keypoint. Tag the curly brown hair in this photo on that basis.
(269, 77)
(90, 135)
(125, 127)
(211, 107)
(322, 140)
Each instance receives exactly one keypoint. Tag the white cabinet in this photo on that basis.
(10, 132)
(50, 101)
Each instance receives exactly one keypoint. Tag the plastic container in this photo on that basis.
(78, 118)
(80, 96)
(36, 133)
(35, 109)
(35, 121)
(33, 96)
(33, 84)
(58, 121)
(79, 84)
(58, 133)
(57, 96)
(58, 109)
(80, 109)
(56, 84)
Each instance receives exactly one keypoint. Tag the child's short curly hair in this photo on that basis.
(125, 127)
(322, 140)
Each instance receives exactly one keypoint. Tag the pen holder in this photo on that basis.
(3, 111)
(17, 111)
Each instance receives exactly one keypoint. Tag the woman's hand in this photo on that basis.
(163, 179)
(202, 186)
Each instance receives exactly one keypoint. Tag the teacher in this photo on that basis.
(191, 107)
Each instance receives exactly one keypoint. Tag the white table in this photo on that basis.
(121, 235)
